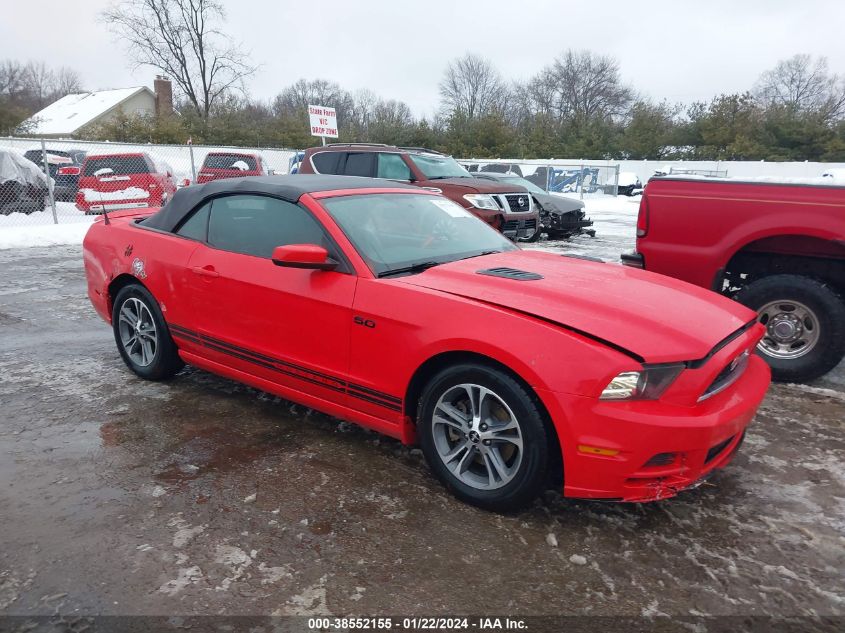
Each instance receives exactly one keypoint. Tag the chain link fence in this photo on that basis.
(45, 181)
(572, 178)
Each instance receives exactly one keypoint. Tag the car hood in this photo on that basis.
(476, 185)
(558, 204)
(656, 318)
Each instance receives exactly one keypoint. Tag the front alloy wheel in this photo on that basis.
(477, 436)
(485, 436)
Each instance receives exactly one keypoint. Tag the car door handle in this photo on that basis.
(205, 272)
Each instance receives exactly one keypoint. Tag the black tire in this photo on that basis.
(826, 306)
(164, 362)
(529, 474)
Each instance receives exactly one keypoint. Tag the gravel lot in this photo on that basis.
(202, 496)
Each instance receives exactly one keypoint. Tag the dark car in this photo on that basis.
(560, 217)
(65, 166)
(506, 207)
(23, 187)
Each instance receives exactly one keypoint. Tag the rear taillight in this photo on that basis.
(69, 171)
(642, 218)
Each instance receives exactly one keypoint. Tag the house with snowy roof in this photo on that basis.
(69, 115)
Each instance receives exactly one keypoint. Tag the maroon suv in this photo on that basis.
(509, 208)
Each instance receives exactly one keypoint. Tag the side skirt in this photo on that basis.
(403, 432)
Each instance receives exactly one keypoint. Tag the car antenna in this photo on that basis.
(105, 216)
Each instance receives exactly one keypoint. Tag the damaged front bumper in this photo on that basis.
(650, 450)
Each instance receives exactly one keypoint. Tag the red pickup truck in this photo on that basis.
(777, 247)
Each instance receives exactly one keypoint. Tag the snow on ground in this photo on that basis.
(19, 230)
(615, 222)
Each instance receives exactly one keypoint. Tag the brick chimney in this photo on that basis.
(164, 95)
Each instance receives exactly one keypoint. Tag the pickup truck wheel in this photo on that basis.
(484, 437)
(142, 336)
(805, 325)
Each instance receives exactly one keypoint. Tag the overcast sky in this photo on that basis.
(681, 51)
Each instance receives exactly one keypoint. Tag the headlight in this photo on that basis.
(648, 384)
(481, 201)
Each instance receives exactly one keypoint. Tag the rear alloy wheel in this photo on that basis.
(142, 336)
(805, 325)
(484, 437)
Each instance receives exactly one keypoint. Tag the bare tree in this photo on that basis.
(67, 81)
(357, 123)
(179, 37)
(803, 85)
(12, 78)
(471, 87)
(580, 85)
(297, 97)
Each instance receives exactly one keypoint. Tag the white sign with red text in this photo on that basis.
(323, 121)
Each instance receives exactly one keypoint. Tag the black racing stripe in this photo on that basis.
(188, 337)
(272, 367)
(378, 394)
(270, 359)
(360, 396)
(178, 328)
(290, 369)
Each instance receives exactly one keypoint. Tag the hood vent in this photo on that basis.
(510, 273)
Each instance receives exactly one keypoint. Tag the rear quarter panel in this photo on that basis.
(695, 227)
(154, 259)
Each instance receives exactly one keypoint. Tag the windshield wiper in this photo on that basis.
(444, 177)
(413, 268)
(482, 254)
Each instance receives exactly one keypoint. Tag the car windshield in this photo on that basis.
(393, 232)
(522, 182)
(435, 167)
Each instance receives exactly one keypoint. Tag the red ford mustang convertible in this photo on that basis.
(395, 308)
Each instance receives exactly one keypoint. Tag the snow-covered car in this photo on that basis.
(628, 183)
(561, 216)
(23, 186)
(123, 181)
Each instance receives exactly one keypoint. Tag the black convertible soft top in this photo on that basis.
(288, 188)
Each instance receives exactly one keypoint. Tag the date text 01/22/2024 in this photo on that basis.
(417, 624)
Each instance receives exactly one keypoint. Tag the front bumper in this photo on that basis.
(566, 224)
(653, 449)
(634, 260)
(521, 227)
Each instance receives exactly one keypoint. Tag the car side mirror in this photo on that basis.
(308, 256)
